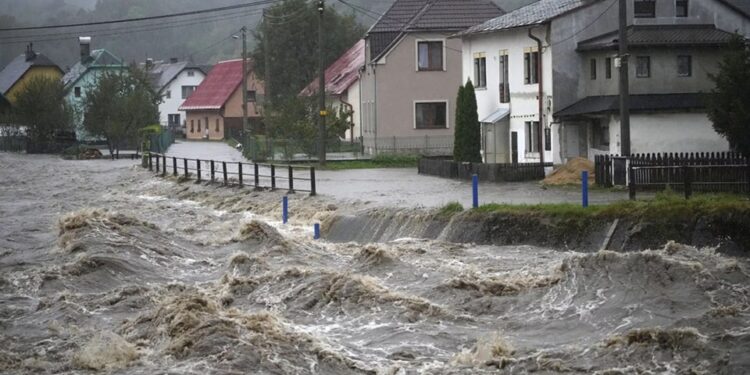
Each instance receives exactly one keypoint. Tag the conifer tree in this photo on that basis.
(467, 144)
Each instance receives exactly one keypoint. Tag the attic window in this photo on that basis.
(190, 73)
(251, 96)
(77, 92)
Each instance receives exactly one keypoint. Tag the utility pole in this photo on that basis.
(267, 59)
(244, 79)
(624, 81)
(321, 89)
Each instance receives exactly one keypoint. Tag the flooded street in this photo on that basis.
(105, 268)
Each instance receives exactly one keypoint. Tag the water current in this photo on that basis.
(105, 268)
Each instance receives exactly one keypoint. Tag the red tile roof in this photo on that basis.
(342, 73)
(217, 87)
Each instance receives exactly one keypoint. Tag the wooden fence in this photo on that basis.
(486, 172)
(257, 175)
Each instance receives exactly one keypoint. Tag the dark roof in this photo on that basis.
(342, 73)
(19, 66)
(661, 36)
(163, 73)
(742, 6)
(427, 15)
(532, 14)
(217, 87)
(638, 103)
(100, 58)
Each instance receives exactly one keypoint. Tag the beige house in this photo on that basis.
(215, 108)
(412, 74)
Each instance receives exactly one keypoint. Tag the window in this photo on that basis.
(681, 8)
(504, 86)
(480, 71)
(192, 126)
(430, 56)
(532, 129)
(199, 126)
(600, 135)
(251, 96)
(168, 95)
(531, 68)
(593, 69)
(644, 9)
(684, 65)
(77, 92)
(431, 115)
(190, 73)
(217, 125)
(187, 91)
(608, 68)
(547, 139)
(643, 67)
(173, 119)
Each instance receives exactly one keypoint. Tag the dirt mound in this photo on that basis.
(570, 173)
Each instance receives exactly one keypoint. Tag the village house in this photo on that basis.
(215, 108)
(175, 81)
(25, 68)
(412, 74)
(342, 87)
(83, 77)
(565, 102)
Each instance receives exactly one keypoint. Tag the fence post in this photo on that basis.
(224, 170)
(239, 172)
(150, 162)
(164, 165)
(285, 209)
(158, 161)
(316, 231)
(631, 182)
(475, 191)
(257, 176)
(184, 164)
(291, 180)
(213, 172)
(686, 178)
(198, 168)
(273, 177)
(585, 188)
(312, 179)
(174, 166)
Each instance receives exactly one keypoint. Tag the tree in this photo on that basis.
(120, 105)
(40, 106)
(292, 31)
(467, 144)
(729, 101)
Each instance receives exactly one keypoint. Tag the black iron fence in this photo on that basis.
(293, 178)
(511, 172)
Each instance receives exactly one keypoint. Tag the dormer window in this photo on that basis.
(644, 8)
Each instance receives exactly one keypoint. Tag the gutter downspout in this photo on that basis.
(540, 76)
(361, 110)
(375, 107)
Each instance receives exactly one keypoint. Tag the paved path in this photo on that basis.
(403, 186)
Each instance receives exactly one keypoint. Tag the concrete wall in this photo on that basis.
(170, 105)
(196, 125)
(391, 87)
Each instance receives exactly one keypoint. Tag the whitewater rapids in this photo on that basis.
(105, 268)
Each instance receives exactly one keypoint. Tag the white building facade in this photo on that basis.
(175, 81)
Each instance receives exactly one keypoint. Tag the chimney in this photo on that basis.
(85, 43)
(149, 63)
(30, 54)
(173, 60)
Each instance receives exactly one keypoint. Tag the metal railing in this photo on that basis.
(256, 175)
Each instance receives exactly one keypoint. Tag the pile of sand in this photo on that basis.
(570, 173)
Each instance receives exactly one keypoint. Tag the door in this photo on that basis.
(514, 146)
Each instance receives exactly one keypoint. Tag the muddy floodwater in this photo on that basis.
(105, 268)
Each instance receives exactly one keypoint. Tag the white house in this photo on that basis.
(674, 46)
(175, 82)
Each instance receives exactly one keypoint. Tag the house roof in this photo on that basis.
(161, 73)
(217, 87)
(638, 103)
(533, 14)
(661, 36)
(342, 73)
(19, 66)
(427, 15)
(100, 58)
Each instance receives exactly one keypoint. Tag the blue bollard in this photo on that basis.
(285, 209)
(585, 188)
(316, 229)
(475, 191)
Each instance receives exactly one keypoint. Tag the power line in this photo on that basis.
(149, 18)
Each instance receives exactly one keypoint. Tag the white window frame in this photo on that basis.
(416, 53)
(414, 113)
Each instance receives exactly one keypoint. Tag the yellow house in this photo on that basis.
(16, 75)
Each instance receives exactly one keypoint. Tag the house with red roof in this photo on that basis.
(342, 86)
(215, 107)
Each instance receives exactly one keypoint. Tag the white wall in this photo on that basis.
(171, 105)
(524, 103)
(668, 132)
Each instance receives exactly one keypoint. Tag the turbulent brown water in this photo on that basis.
(105, 268)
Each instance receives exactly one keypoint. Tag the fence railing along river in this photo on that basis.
(293, 178)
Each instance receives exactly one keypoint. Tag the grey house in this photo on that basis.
(412, 74)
